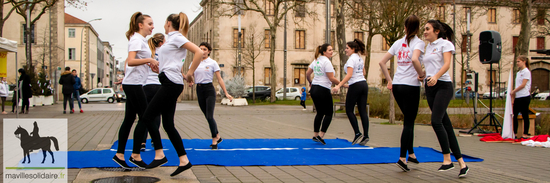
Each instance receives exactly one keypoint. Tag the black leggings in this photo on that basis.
(135, 104)
(206, 95)
(303, 103)
(68, 98)
(25, 105)
(522, 105)
(438, 97)
(164, 103)
(150, 91)
(407, 97)
(357, 95)
(322, 99)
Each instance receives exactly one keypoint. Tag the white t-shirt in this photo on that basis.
(137, 75)
(357, 63)
(172, 56)
(153, 77)
(405, 73)
(320, 67)
(520, 76)
(205, 71)
(433, 58)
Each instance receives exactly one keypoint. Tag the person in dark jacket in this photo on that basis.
(25, 85)
(76, 93)
(67, 80)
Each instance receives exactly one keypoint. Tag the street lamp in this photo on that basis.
(81, 37)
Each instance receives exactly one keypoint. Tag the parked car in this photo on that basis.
(292, 93)
(543, 95)
(488, 95)
(120, 96)
(262, 92)
(99, 94)
(458, 94)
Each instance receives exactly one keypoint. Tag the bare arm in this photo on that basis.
(344, 81)
(196, 59)
(447, 63)
(331, 77)
(133, 61)
(523, 83)
(416, 63)
(384, 67)
(222, 84)
(308, 75)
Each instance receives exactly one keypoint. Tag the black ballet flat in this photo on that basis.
(157, 163)
(120, 162)
(139, 164)
(319, 139)
(181, 169)
(214, 146)
(446, 167)
(220, 140)
(403, 166)
(413, 160)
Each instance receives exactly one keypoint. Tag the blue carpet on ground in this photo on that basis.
(261, 152)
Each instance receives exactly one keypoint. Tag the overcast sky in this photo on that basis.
(116, 15)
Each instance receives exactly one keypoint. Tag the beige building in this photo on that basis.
(109, 67)
(48, 35)
(84, 50)
(305, 33)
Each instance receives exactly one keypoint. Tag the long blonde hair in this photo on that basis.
(155, 42)
(526, 60)
(136, 19)
(180, 22)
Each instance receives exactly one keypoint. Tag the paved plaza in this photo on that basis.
(97, 129)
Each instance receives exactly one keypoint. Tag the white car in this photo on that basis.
(543, 95)
(99, 94)
(292, 93)
(494, 95)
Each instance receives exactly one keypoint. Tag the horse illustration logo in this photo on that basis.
(35, 142)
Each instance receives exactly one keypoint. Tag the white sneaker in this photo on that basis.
(304, 109)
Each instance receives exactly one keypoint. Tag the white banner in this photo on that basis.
(508, 125)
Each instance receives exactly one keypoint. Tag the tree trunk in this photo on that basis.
(367, 51)
(392, 99)
(253, 81)
(462, 81)
(272, 63)
(28, 47)
(341, 39)
(1, 17)
(522, 47)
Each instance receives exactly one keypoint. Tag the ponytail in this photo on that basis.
(445, 31)
(526, 60)
(358, 46)
(136, 19)
(180, 22)
(320, 50)
(412, 25)
(155, 42)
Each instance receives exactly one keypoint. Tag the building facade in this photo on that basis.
(107, 78)
(84, 50)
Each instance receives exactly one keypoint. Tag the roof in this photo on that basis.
(69, 19)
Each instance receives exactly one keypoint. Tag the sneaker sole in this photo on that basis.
(442, 170)
(357, 140)
(464, 175)
(127, 168)
(402, 168)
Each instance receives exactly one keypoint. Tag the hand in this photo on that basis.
(513, 93)
(335, 89)
(422, 77)
(346, 86)
(432, 81)
(389, 86)
(155, 69)
(189, 77)
(190, 83)
(153, 62)
(229, 97)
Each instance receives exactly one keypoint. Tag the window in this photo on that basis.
(267, 75)
(25, 33)
(540, 16)
(269, 7)
(492, 15)
(71, 32)
(516, 17)
(358, 35)
(300, 10)
(491, 73)
(104, 90)
(333, 39)
(466, 11)
(332, 9)
(300, 39)
(385, 46)
(441, 13)
(540, 43)
(236, 38)
(95, 91)
(72, 53)
(514, 43)
(300, 75)
(464, 43)
(235, 70)
(267, 35)
(358, 10)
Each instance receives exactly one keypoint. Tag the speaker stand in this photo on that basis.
(491, 115)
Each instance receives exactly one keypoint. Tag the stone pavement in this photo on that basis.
(97, 129)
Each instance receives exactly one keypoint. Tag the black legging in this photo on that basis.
(438, 97)
(357, 95)
(206, 94)
(407, 98)
(322, 99)
(150, 91)
(135, 104)
(68, 98)
(522, 105)
(25, 105)
(303, 103)
(164, 103)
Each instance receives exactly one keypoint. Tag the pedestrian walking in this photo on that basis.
(67, 81)
(206, 93)
(76, 93)
(303, 97)
(439, 90)
(521, 95)
(4, 93)
(171, 57)
(152, 84)
(405, 85)
(358, 90)
(139, 58)
(323, 78)
(26, 92)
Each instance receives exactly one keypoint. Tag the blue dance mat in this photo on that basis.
(261, 152)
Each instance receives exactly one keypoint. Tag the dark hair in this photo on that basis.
(445, 31)
(526, 60)
(207, 45)
(180, 22)
(136, 19)
(357, 45)
(321, 49)
(154, 42)
(412, 24)
(22, 71)
(74, 70)
(67, 68)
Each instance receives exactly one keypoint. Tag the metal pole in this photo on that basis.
(454, 41)
(327, 29)
(50, 45)
(239, 46)
(469, 37)
(284, 62)
(16, 91)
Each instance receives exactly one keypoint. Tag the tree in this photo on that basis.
(272, 16)
(339, 6)
(254, 43)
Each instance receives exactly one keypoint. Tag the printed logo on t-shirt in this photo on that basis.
(317, 70)
(435, 51)
(403, 58)
(183, 60)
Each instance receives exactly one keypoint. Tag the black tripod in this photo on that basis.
(491, 115)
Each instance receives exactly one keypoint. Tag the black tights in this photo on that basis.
(150, 91)
(322, 99)
(206, 94)
(25, 105)
(68, 98)
(164, 103)
(357, 95)
(522, 105)
(135, 104)
(407, 97)
(438, 97)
